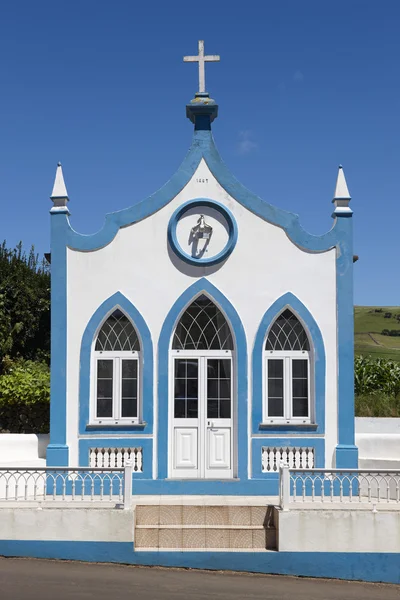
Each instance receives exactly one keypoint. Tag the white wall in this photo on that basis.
(264, 265)
(74, 524)
(378, 442)
(338, 531)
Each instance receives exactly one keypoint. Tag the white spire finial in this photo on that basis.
(341, 198)
(59, 195)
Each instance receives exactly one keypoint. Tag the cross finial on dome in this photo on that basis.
(59, 195)
(342, 196)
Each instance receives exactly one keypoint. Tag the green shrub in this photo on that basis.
(24, 397)
(379, 375)
(377, 405)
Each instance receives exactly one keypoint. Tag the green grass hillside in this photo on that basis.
(369, 322)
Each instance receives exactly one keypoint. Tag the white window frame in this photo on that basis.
(288, 356)
(117, 358)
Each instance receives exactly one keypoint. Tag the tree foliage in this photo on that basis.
(24, 305)
(24, 396)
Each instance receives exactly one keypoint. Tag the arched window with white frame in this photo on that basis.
(116, 355)
(288, 368)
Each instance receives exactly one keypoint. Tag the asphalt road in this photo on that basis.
(28, 579)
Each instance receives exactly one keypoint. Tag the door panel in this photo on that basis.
(186, 451)
(219, 452)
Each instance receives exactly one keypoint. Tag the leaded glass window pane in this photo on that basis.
(300, 387)
(104, 404)
(117, 334)
(186, 394)
(219, 388)
(287, 333)
(129, 387)
(202, 327)
(275, 388)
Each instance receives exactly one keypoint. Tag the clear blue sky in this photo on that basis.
(302, 86)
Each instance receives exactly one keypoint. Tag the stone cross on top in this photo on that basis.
(201, 59)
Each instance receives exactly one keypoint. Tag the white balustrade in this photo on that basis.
(61, 484)
(298, 457)
(116, 457)
(356, 486)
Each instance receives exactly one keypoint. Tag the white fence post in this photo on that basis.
(284, 486)
(128, 472)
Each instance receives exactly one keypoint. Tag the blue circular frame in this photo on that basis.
(232, 229)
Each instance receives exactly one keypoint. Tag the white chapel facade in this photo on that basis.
(202, 333)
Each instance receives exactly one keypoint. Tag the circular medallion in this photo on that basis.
(202, 232)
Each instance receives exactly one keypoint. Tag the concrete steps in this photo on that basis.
(204, 528)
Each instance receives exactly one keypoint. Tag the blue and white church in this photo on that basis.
(202, 333)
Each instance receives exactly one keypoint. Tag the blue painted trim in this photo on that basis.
(232, 230)
(57, 450)
(123, 442)
(291, 301)
(164, 344)
(346, 451)
(203, 147)
(146, 345)
(374, 567)
(256, 449)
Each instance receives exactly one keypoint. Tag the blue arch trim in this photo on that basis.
(117, 299)
(232, 227)
(203, 146)
(200, 286)
(291, 301)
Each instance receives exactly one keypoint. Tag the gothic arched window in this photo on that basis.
(117, 368)
(287, 371)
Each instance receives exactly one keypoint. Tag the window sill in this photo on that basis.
(132, 426)
(294, 426)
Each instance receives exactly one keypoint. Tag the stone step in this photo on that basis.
(261, 516)
(199, 527)
(200, 538)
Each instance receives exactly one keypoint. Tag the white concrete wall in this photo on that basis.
(378, 442)
(23, 449)
(338, 531)
(264, 265)
(62, 524)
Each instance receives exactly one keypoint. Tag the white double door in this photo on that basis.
(201, 435)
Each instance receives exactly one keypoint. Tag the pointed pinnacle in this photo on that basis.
(341, 190)
(59, 188)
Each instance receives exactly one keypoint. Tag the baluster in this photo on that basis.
(263, 460)
(120, 457)
(73, 486)
(140, 460)
(268, 459)
(64, 484)
(341, 486)
(295, 459)
(388, 488)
